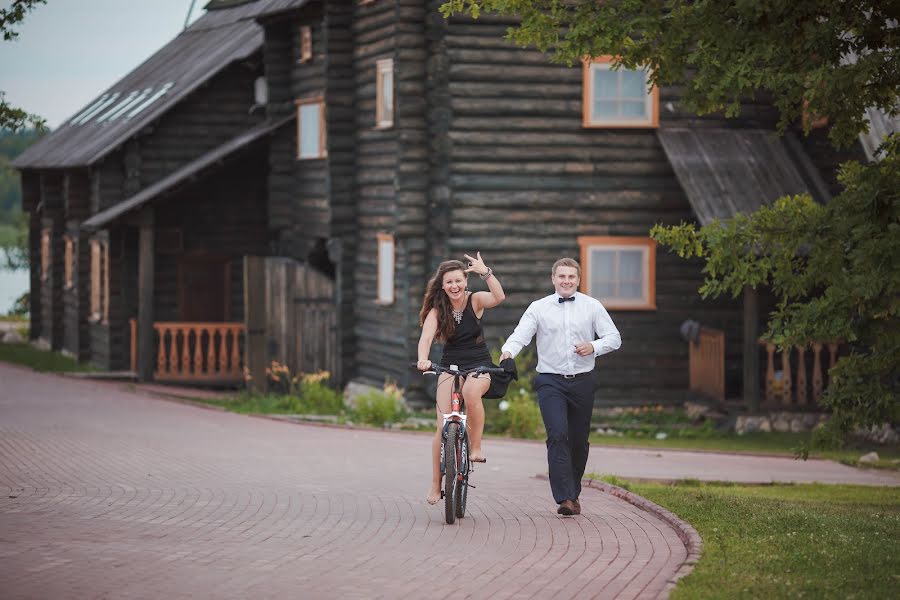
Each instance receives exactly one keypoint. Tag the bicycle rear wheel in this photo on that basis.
(450, 487)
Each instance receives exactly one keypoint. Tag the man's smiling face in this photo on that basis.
(565, 281)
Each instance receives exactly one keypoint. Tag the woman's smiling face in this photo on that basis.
(454, 284)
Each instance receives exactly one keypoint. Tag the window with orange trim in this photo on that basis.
(620, 271)
(617, 98)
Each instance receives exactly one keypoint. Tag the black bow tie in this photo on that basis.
(569, 299)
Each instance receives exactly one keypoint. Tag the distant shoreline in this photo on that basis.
(12, 285)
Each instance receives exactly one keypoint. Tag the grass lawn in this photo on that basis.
(39, 360)
(763, 443)
(787, 541)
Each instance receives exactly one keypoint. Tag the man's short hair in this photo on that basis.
(566, 262)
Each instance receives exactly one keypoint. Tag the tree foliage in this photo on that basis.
(13, 223)
(834, 268)
(725, 50)
(835, 273)
(11, 117)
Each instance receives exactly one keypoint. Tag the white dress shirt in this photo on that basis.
(559, 327)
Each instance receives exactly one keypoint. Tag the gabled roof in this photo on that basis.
(729, 171)
(220, 37)
(185, 173)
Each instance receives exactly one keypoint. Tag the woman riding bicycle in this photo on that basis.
(452, 315)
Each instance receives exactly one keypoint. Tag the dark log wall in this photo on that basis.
(52, 218)
(299, 214)
(380, 329)
(524, 179)
(207, 118)
(340, 94)
(222, 217)
(107, 180)
(76, 198)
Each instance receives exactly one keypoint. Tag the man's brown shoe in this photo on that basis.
(577, 506)
(566, 508)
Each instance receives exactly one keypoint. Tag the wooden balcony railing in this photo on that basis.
(706, 363)
(199, 352)
(791, 386)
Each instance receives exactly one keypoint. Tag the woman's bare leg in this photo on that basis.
(473, 390)
(442, 406)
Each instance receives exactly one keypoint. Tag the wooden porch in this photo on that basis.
(796, 377)
(209, 353)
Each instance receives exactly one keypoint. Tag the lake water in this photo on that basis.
(12, 285)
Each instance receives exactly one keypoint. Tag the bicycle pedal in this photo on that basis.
(470, 485)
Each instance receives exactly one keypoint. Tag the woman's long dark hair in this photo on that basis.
(436, 298)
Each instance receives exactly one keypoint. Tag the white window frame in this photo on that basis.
(303, 104)
(646, 245)
(384, 109)
(651, 102)
(385, 269)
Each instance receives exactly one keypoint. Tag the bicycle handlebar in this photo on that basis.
(435, 369)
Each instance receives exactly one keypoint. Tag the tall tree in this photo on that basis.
(11, 117)
(833, 268)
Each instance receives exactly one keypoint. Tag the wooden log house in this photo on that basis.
(357, 144)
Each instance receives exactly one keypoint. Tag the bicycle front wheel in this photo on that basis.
(450, 461)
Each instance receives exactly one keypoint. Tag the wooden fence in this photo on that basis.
(291, 318)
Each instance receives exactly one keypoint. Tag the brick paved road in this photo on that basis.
(111, 494)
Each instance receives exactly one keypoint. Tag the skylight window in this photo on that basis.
(132, 99)
(95, 109)
(127, 100)
(158, 94)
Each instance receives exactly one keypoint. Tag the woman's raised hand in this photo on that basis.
(476, 265)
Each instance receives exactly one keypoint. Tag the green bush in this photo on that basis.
(524, 417)
(320, 399)
(379, 407)
(376, 408)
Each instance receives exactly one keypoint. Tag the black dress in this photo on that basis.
(466, 348)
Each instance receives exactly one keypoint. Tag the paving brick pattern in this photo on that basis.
(107, 493)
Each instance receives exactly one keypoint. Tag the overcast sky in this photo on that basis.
(69, 51)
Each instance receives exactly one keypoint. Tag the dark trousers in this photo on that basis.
(566, 406)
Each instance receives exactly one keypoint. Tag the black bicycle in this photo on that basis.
(455, 463)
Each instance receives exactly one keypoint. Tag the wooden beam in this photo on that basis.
(255, 351)
(751, 349)
(145, 345)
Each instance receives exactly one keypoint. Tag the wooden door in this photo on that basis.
(203, 288)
